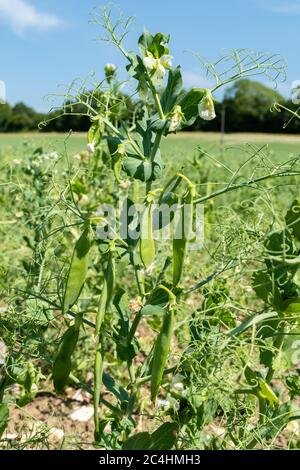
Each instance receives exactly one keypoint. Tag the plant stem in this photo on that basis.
(156, 100)
(243, 185)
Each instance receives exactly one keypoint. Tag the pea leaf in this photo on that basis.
(139, 441)
(143, 170)
(189, 104)
(152, 310)
(126, 351)
(78, 270)
(163, 438)
(145, 41)
(172, 91)
(158, 297)
(112, 386)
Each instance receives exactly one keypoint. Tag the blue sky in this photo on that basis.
(47, 43)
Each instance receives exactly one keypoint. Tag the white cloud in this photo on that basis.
(194, 80)
(22, 15)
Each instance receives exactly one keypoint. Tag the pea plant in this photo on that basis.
(135, 228)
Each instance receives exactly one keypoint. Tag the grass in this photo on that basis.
(186, 143)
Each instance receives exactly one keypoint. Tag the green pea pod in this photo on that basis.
(78, 270)
(98, 373)
(106, 294)
(104, 303)
(62, 363)
(183, 232)
(147, 244)
(161, 351)
(95, 132)
(117, 167)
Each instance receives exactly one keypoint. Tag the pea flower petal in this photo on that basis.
(206, 107)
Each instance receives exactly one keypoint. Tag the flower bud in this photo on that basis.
(176, 118)
(110, 69)
(206, 107)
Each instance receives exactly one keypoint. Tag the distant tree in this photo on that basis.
(247, 104)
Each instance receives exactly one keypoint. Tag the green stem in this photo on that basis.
(244, 185)
(156, 100)
(147, 378)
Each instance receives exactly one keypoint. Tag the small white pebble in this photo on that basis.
(82, 414)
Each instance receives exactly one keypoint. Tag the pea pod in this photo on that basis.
(78, 270)
(62, 363)
(98, 373)
(95, 132)
(147, 244)
(183, 232)
(104, 303)
(161, 351)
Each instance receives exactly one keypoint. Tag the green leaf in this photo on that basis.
(163, 438)
(143, 170)
(78, 270)
(112, 386)
(293, 385)
(172, 91)
(267, 393)
(156, 45)
(189, 104)
(145, 41)
(152, 311)
(291, 306)
(137, 70)
(158, 297)
(139, 166)
(293, 218)
(266, 289)
(139, 441)
(251, 321)
(4, 415)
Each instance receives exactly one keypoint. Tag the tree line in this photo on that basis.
(246, 107)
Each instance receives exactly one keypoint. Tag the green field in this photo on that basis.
(235, 145)
(39, 223)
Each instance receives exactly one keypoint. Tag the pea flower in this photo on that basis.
(206, 107)
(177, 117)
(91, 148)
(158, 66)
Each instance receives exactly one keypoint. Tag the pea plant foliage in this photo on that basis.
(121, 279)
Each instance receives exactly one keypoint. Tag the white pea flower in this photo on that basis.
(158, 66)
(91, 148)
(176, 118)
(166, 61)
(149, 63)
(163, 404)
(206, 107)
